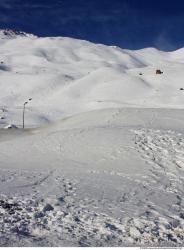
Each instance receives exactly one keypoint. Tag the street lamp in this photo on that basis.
(23, 114)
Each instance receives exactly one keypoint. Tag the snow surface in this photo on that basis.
(101, 161)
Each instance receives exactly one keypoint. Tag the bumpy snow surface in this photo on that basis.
(101, 161)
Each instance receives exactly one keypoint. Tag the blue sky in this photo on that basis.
(131, 24)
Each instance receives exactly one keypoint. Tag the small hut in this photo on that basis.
(159, 72)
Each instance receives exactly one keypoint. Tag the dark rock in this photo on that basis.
(38, 215)
(111, 226)
(76, 219)
(47, 208)
(175, 223)
(171, 237)
(7, 206)
(61, 199)
(182, 215)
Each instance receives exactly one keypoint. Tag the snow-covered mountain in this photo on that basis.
(104, 163)
(66, 76)
(9, 33)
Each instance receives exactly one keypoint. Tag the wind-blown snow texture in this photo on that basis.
(101, 162)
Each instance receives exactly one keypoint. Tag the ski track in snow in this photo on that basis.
(30, 220)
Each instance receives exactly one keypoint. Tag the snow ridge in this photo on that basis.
(11, 33)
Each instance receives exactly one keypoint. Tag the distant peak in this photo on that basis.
(11, 33)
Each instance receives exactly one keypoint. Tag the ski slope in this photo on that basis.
(101, 160)
(66, 76)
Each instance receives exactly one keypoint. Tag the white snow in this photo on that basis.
(10, 126)
(101, 160)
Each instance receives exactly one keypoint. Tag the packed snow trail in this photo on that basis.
(104, 178)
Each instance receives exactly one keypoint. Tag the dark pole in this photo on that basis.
(23, 114)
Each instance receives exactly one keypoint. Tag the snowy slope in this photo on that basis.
(66, 76)
(105, 178)
(101, 160)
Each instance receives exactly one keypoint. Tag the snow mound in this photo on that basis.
(10, 126)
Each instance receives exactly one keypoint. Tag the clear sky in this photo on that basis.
(130, 24)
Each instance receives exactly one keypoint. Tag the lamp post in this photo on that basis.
(23, 114)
